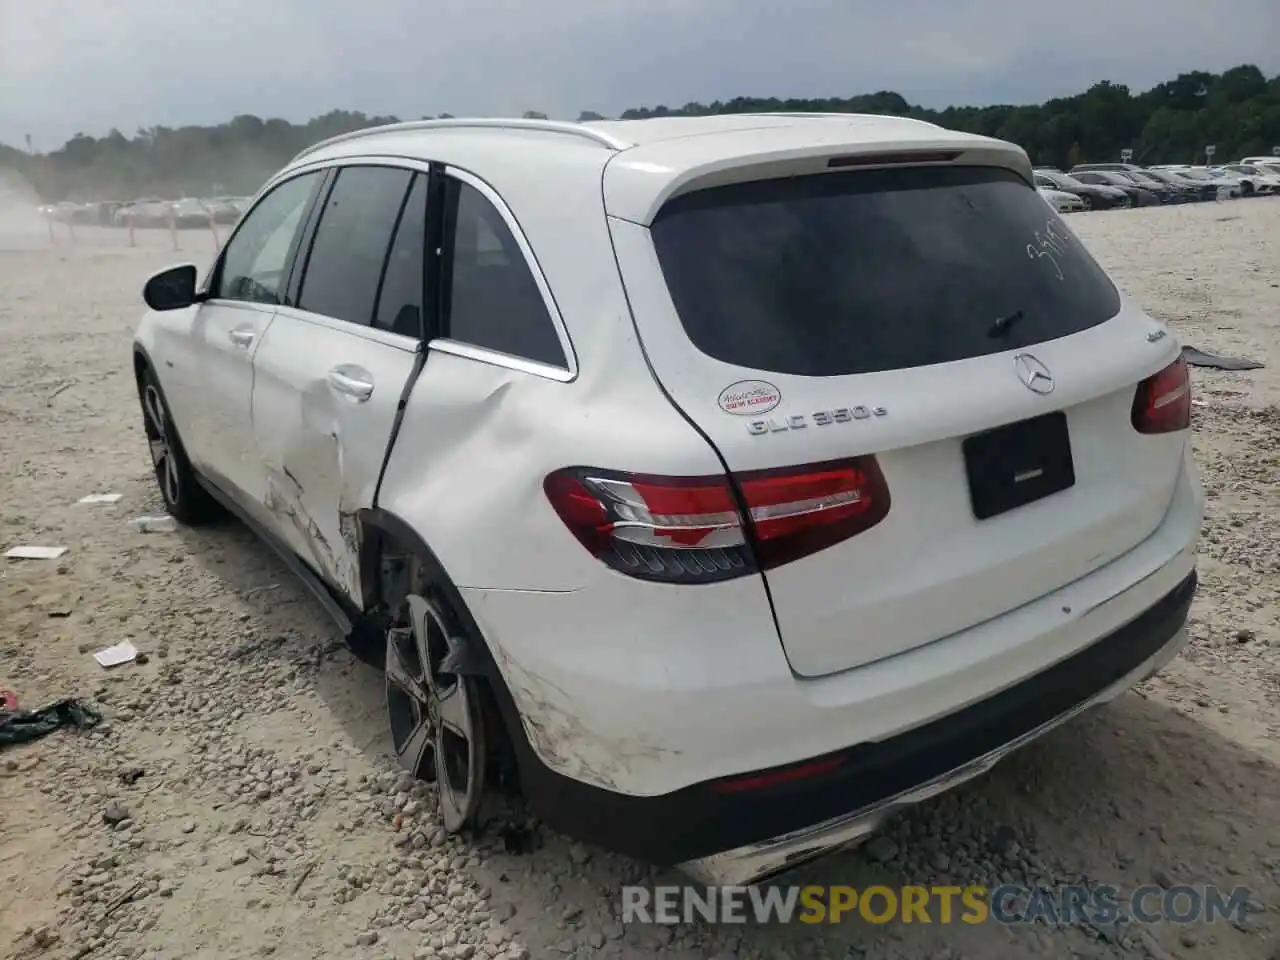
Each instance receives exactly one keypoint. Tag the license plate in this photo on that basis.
(1018, 464)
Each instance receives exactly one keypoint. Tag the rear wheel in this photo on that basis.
(184, 498)
(437, 716)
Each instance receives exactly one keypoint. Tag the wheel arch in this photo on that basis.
(381, 529)
(141, 362)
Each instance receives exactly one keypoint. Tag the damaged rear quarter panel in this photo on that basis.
(477, 440)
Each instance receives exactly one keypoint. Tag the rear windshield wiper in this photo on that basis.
(1003, 325)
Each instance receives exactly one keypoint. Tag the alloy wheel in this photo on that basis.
(435, 715)
(162, 454)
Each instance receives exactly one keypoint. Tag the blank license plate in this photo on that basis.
(1018, 464)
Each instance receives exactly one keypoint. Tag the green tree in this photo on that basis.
(1238, 111)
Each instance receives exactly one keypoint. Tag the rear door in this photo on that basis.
(330, 372)
(942, 319)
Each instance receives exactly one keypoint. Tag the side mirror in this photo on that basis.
(172, 289)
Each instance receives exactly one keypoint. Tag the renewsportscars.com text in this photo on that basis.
(1010, 904)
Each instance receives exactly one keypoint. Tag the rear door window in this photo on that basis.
(401, 299)
(351, 242)
(865, 271)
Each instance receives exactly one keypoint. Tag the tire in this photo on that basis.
(1088, 204)
(184, 498)
(443, 728)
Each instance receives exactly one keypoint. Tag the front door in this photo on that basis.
(330, 372)
(245, 290)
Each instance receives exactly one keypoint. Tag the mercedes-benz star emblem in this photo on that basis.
(1035, 376)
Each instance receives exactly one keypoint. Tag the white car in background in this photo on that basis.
(662, 496)
(1263, 180)
(1060, 200)
(1230, 186)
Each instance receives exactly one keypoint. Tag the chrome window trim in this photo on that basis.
(385, 337)
(497, 358)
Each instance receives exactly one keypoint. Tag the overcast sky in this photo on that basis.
(83, 65)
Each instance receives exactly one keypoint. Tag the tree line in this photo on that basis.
(1237, 111)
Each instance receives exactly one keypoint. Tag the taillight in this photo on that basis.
(692, 529)
(1163, 401)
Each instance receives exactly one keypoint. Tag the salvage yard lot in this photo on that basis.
(267, 820)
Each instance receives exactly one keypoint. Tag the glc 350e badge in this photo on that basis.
(748, 397)
(819, 418)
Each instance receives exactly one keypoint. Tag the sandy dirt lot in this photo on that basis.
(237, 801)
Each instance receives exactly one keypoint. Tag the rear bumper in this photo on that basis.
(626, 727)
(897, 773)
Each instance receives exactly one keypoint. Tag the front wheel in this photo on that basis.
(184, 499)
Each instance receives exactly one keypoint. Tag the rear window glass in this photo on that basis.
(865, 271)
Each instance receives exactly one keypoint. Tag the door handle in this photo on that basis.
(351, 384)
(241, 337)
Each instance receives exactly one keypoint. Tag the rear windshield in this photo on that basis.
(864, 271)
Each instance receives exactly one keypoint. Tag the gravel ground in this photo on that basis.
(237, 801)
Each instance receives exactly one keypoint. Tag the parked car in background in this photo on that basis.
(1140, 196)
(849, 523)
(1168, 193)
(1194, 189)
(106, 212)
(1228, 187)
(1246, 184)
(1094, 196)
(224, 209)
(1258, 179)
(1060, 200)
(190, 212)
(147, 212)
(1135, 174)
(1113, 167)
(1272, 162)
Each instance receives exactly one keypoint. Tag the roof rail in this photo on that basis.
(844, 116)
(455, 123)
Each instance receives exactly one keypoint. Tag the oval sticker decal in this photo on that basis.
(749, 397)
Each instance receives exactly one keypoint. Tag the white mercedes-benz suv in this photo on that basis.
(719, 484)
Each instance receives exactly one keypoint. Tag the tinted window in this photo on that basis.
(494, 301)
(875, 270)
(254, 265)
(351, 242)
(401, 299)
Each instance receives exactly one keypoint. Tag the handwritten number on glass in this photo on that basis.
(1050, 245)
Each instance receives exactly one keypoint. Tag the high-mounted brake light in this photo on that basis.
(1162, 403)
(706, 529)
(892, 159)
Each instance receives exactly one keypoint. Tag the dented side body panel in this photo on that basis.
(322, 449)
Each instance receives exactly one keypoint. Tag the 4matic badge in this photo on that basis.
(819, 418)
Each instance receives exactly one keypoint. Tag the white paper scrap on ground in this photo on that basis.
(35, 553)
(101, 498)
(113, 656)
(161, 524)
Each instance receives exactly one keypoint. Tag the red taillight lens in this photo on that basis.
(1163, 401)
(692, 529)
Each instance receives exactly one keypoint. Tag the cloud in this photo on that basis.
(68, 66)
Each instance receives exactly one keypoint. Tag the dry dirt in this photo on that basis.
(267, 819)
